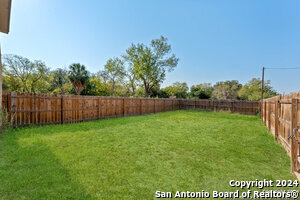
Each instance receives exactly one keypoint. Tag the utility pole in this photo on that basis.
(262, 92)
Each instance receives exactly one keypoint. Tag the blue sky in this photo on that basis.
(215, 40)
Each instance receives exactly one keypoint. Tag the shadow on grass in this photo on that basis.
(84, 126)
(26, 173)
(168, 151)
(111, 122)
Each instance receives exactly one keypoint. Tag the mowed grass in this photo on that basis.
(133, 157)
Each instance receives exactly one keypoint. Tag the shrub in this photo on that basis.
(5, 122)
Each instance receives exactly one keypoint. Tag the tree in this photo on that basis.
(11, 83)
(180, 90)
(38, 79)
(78, 76)
(150, 63)
(226, 89)
(132, 79)
(103, 75)
(115, 71)
(202, 91)
(252, 90)
(156, 92)
(24, 75)
(96, 88)
(60, 83)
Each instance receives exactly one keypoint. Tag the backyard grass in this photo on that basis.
(133, 157)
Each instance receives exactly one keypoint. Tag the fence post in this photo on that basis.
(294, 157)
(7, 102)
(276, 118)
(8, 109)
(99, 108)
(62, 109)
(269, 116)
(265, 113)
(13, 108)
(140, 106)
(123, 106)
(34, 110)
(154, 106)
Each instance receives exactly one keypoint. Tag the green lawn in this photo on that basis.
(131, 158)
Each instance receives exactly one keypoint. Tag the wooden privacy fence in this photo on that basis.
(26, 108)
(238, 106)
(281, 114)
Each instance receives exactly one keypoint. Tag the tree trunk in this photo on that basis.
(113, 88)
(133, 91)
(146, 89)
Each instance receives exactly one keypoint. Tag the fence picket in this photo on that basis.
(27, 108)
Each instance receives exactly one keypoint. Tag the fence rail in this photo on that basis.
(281, 114)
(27, 109)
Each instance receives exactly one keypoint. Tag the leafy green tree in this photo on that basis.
(23, 75)
(96, 88)
(180, 90)
(226, 89)
(132, 80)
(156, 92)
(11, 82)
(139, 92)
(115, 71)
(150, 63)
(60, 83)
(39, 79)
(17, 68)
(252, 90)
(121, 90)
(103, 76)
(78, 76)
(202, 91)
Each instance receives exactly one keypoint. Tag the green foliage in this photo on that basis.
(150, 63)
(201, 91)
(96, 88)
(78, 76)
(5, 122)
(180, 90)
(226, 89)
(60, 83)
(140, 92)
(114, 71)
(22, 75)
(11, 83)
(156, 92)
(129, 158)
(138, 73)
(132, 80)
(252, 90)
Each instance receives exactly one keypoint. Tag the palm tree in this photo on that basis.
(78, 76)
